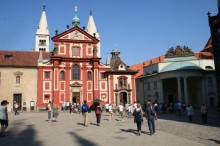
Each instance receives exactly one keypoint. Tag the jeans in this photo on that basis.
(151, 125)
(16, 111)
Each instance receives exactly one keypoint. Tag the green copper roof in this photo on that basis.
(75, 20)
(181, 66)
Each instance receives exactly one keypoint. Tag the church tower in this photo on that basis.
(91, 29)
(42, 37)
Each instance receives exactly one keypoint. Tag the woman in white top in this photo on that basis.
(3, 117)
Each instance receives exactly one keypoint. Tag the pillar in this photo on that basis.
(161, 97)
(179, 89)
(203, 91)
(185, 90)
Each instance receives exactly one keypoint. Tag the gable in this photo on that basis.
(75, 34)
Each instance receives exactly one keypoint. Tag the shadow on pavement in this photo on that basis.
(215, 140)
(26, 137)
(81, 141)
(82, 124)
(130, 130)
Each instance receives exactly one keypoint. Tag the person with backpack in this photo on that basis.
(151, 116)
(98, 113)
(85, 109)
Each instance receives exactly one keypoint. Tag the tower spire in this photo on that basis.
(42, 34)
(91, 29)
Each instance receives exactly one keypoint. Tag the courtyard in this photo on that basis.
(32, 129)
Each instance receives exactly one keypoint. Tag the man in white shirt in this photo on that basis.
(121, 109)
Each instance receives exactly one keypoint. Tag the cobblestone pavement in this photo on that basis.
(32, 129)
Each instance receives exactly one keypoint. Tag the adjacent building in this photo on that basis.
(18, 78)
(178, 76)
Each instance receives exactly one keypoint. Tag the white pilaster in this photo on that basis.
(161, 97)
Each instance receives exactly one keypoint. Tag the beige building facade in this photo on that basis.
(19, 85)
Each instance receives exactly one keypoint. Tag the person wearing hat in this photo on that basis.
(3, 117)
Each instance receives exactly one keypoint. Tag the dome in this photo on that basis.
(75, 21)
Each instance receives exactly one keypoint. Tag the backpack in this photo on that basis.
(97, 111)
(84, 108)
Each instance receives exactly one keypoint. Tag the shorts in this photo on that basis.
(4, 122)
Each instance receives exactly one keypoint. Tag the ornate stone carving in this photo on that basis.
(179, 51)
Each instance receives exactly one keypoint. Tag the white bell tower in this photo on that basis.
(42, 37)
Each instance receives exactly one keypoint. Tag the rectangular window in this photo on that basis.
(47, 75)
(75, 51)
(47, 97)
(102, 75)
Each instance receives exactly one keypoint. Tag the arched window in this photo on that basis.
(62, 75)
(17, 79)
(89, 75)
(76, 72)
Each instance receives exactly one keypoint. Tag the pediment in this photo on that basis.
(75, 34)
(76, 84)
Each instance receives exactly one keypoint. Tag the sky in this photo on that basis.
(140, 29)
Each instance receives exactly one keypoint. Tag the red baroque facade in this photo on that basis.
(74, 72)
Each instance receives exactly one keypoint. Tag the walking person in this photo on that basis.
(120, 110)
(85, 109)
(151, 116)
(190, 112)
(70, 108)
(79, 107)
(114, 108)
(50, 112)
(110, 110)
(16, 106)
(204, 112)
(138, 117)
(3, 117)
(98, 113)
(55, 112)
